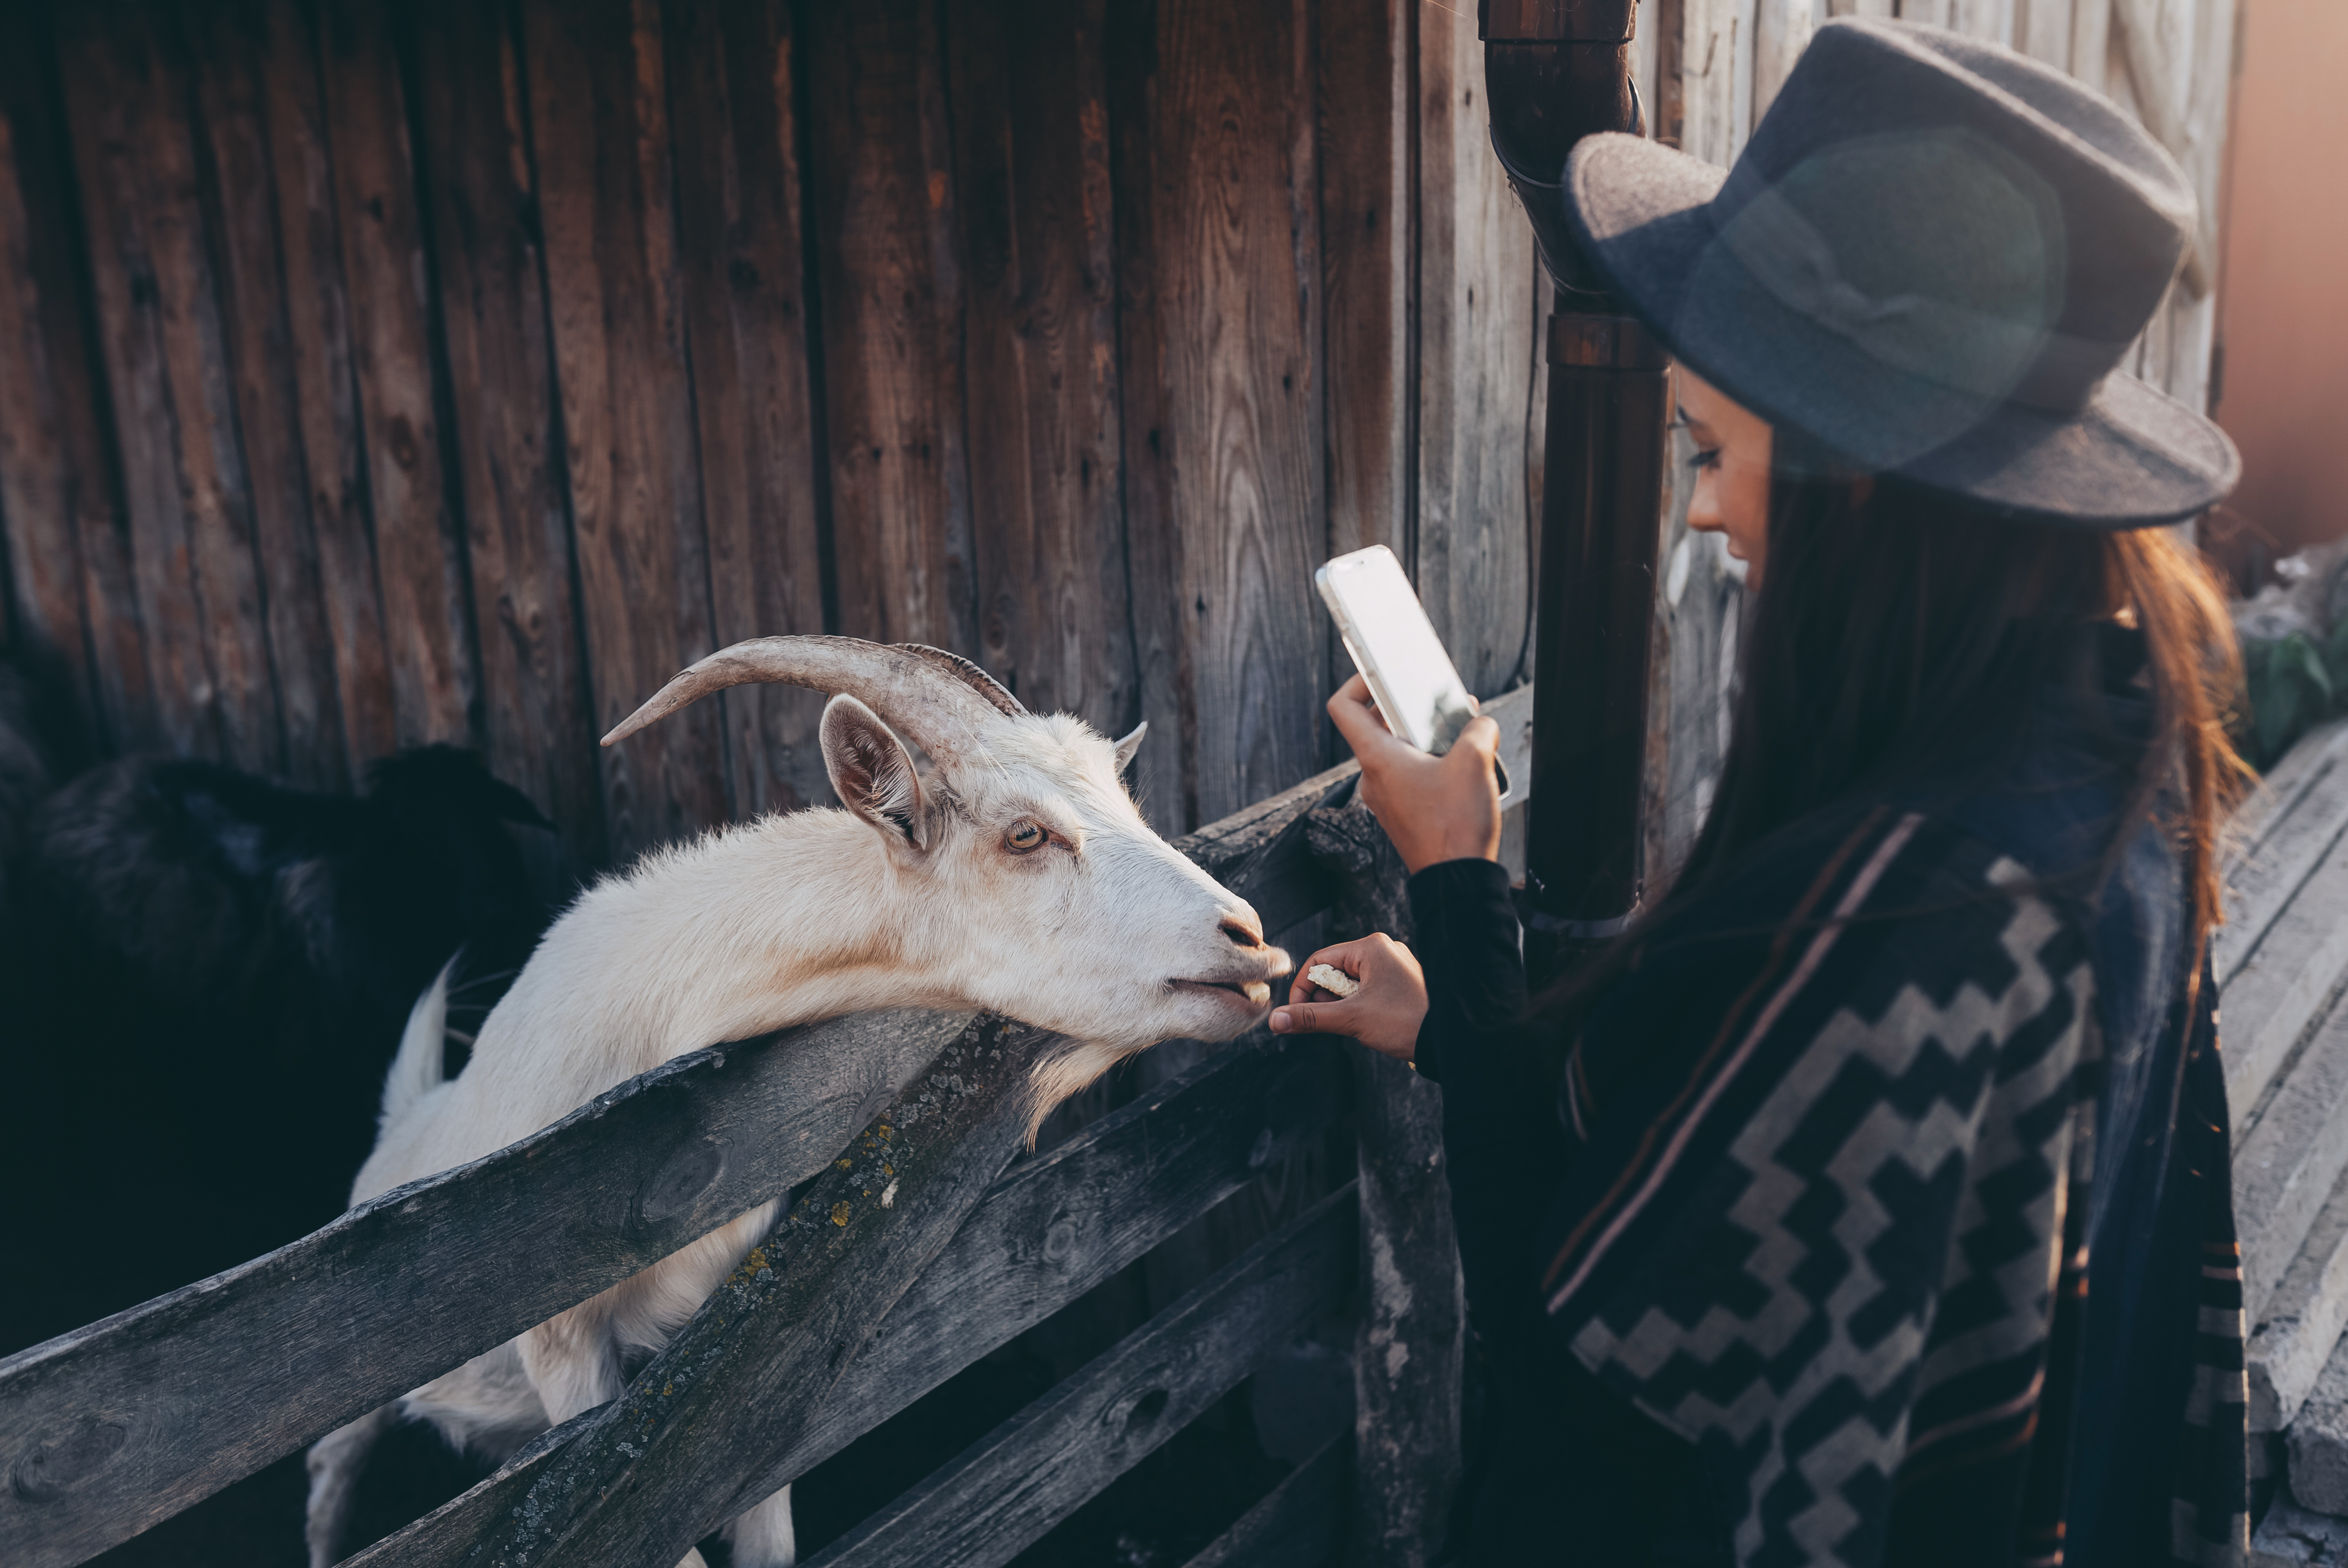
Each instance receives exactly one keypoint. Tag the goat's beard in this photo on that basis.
(1066, 1072)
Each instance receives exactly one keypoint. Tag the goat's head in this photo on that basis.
(1039, 891)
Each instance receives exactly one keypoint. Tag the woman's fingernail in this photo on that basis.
(1279, 1020)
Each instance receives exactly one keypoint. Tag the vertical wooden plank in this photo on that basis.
(184, 485)
(234, 55)
(486, 239)
(1165, 776)
(1479, 357)
(59, 506)
(1228, 442)
(44, 563)
(1409, 1344)
(2044, 31)
(1702, 605)
(1028, 88)
(1932, 13)
(1646, 58)
(2091, 31)
(599, 115)
(326, 416)
(731, 65)
(419, 556)
(1368, 79)
(1989, 19)
(1781, 31)
(1717, 67)
(884, 214)
(1667, 111)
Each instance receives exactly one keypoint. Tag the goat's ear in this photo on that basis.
(873, 771)
(1131, 744)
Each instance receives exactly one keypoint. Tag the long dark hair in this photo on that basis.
(1896, 638)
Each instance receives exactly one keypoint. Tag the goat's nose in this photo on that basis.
(1244, 932)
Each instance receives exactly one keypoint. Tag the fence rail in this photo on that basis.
(106, 1431)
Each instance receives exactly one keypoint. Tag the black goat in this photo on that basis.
(215, 972)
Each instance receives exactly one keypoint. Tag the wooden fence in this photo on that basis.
(866, 1295)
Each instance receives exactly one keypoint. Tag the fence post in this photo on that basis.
(1410, 1341)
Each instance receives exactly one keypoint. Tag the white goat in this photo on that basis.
(1018, 876)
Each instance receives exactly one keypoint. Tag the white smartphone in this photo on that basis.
(1417, 687)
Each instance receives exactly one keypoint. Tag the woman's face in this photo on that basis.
(1732, 463)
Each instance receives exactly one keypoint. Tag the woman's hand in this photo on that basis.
(1432, 808)
(1384, 1015)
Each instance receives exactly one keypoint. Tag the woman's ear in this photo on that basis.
(873, 772)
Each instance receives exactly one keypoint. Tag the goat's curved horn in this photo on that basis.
(941, 702)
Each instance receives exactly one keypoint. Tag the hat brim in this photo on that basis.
(2132, 457)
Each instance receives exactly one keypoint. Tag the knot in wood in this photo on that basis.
(59, 1465)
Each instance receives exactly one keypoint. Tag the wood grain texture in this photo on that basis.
(1410, 1338)
(419, 553)
(1220, 97)
(1480, 305)
(1164, 777)
(599, 118)
(1298, 1524)
(1014, 1484)
(1716, 78)
(190, 550)
(2091, 32)
(2283, 830)
(882, 175)
(489, 243)
(688, 1445)
(1027, 85)
(325, 417)
(1049, 1231)
(1781, 31)
(239, 51)
(1410, 1325)
(731, 65)
(68, 580)
(2042, 31)
(111, 1428)
(1368, 248)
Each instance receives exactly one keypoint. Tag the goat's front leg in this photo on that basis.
(762, 1537)
(573, 1362)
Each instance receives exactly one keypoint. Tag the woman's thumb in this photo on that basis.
(1312, 1018)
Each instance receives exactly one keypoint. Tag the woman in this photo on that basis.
(1867, 1201)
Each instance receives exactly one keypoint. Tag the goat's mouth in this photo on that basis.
(1251, 993)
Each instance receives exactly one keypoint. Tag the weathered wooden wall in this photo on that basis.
(374, 374)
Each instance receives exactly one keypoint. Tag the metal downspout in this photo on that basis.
(1555, 71)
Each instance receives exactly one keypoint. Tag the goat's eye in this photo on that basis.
(1023, 835)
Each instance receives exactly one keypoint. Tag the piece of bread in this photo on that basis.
(1333, 979)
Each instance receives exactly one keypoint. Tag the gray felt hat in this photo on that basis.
(1931, 258)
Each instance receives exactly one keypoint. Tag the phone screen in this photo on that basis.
(1396, 647)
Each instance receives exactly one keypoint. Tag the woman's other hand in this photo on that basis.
(1384, 1014)
(1432, 808)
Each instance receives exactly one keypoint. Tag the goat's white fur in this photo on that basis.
(912, 896)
